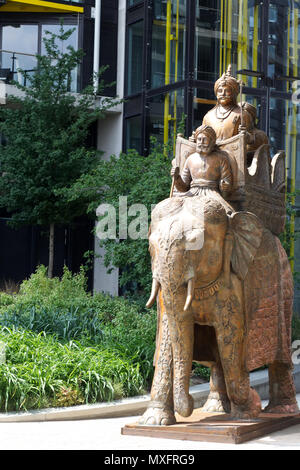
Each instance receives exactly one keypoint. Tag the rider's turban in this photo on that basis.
(209, 131)
(229, 80)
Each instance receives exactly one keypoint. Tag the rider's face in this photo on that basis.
(203, 144)
(225, 95)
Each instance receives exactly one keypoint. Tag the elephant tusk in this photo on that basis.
(190, 294)
(154, 292)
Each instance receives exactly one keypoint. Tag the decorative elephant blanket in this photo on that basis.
(266, 284)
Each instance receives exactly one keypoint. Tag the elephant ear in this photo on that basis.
(248, 231)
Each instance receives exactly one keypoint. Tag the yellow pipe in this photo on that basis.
(255, 45)
(229, 35)
(167, 71)
(176, 73)
(245, 39)
(221, 37)
(225, 36)
(240, 37)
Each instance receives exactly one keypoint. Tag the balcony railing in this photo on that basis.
(11, 62)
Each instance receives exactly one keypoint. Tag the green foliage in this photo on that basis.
(291, 234)
(45, 139)
(39, 369)
(144, 180)
(65, 346)
(295, 327)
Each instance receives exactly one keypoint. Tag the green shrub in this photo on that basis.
(65, 346)
(39, 370)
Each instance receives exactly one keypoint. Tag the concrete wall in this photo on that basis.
(109, 140)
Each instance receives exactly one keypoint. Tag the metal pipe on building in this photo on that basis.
(97, 31)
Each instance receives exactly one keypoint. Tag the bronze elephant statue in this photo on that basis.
(224, 293)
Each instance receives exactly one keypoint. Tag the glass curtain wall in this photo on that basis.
(158, 111)
(227, 32)
(135, 58)
(191, 43)
(168, 59)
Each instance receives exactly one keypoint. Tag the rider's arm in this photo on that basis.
(226, 178)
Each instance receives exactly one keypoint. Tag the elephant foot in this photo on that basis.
(288, 408)
(250, 409)
(216, 402)
(184, 404)
(156, 416)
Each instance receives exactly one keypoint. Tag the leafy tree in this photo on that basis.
(144, 180)
(46, 131)
(291, 233)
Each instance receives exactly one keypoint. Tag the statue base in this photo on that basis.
(215, 427)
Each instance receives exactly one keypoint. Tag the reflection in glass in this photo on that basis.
(72, 41)
(135, 57)
(227, 32)
(166, 112)
(133, 133)
(19, 40)
(204, 101)
(168, 42)
(284, 42)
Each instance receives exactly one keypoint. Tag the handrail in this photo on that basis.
(19, 53)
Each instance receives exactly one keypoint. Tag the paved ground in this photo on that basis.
(105, 434)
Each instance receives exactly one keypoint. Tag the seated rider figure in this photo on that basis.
(207, 172)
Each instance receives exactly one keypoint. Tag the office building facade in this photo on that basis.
(165, 56)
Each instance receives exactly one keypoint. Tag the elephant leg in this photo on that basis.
(282, 389)
(230, 331)
(245, 401)
(217, 400)
(182, 339)
(161, 409)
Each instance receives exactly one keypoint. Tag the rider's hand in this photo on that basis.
(175, 172)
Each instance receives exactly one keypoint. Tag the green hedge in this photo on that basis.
(65, 346)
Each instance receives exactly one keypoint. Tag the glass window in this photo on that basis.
(284, 42)
(133, 133)
(133, 2)
(22, 43)
(204, 101)
(168, 42)
(228, 32)
(166, 112)
(71, 41)
(135, 58)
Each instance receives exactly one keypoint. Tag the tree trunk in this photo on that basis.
(51, 251)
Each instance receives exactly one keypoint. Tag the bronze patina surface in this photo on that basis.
(221, 279)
